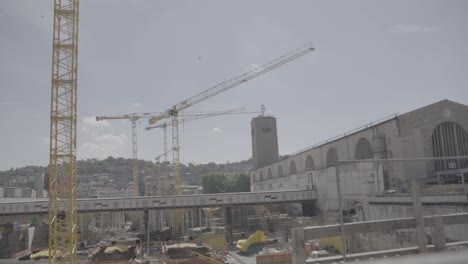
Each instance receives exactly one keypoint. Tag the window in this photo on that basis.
(309, 164)
(280, 171)
(363, 150)
(332, 157)
(292, 168)
(449, 139)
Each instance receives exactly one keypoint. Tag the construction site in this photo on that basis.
(393, 189)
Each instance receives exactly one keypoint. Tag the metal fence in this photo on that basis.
(386, 207)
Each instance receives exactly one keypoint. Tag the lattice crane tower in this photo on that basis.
(62, 167)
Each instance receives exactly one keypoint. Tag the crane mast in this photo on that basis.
(135, 157)
(189, 117)
(62, 165)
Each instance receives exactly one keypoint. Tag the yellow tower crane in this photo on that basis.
(186, 119)
(63, 109)
(134, 117)
(173, 112)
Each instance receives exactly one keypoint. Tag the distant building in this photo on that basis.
(39, 182)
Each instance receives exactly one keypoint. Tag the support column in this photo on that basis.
(438, 233)
(147, 228)
(340, 211)
(228, 217)
(418, 215)
(298, 246)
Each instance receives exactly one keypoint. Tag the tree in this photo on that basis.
(214, 183)
(242, 183)
(218, 183)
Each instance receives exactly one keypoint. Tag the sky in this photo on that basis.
(371, 59)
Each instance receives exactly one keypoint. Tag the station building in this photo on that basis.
(436, 130)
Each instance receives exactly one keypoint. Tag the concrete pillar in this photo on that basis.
(228, 216)
(438, 233)
(298, 246)
(418, 215)
(147, 228)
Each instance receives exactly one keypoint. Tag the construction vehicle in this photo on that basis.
(173, 112)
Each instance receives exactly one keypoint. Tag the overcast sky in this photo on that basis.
(372, 59)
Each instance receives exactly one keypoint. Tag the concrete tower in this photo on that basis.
(264, 141)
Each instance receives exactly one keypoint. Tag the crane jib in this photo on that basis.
(224, 86)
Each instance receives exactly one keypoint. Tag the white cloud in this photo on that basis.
(105, 145)
(91, 122)
(216, 130)
(413, 29)
(137, 105)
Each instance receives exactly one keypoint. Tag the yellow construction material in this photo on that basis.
(216, 241)
(40, 254)
(256, 238)
(334, 241)
(113, 249)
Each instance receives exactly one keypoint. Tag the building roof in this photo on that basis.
(367, 126)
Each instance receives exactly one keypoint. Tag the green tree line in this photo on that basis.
(218, 183)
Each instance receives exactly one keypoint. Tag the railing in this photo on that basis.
(437, 223)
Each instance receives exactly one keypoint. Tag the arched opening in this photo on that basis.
(309, 163)
(363, 150)
(254, 178)
(332, 157)
(292, 168)
(280, 171)
(449, 139)
(261, 176)
(270, 175)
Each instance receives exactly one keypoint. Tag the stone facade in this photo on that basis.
(403, 136)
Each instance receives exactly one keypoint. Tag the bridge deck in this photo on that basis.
(40, 206)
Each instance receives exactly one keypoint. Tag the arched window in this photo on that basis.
(332, 157)
(261, 176)
(270, 175)
(449, 139)
(292, 168)
(363, 150)
(280, 171)
(309, 164)
(254, 179)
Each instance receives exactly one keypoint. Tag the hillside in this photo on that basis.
(120, 170)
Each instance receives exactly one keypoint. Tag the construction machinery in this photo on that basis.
(173, 112)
